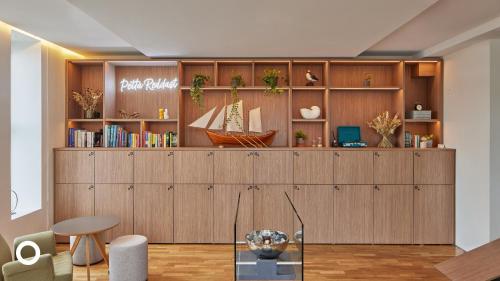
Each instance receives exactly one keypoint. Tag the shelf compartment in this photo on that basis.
(191, 68)
(426, 128)
(366, 89)
(227, 69)
(352, 74)
(82, 75)
(85, 120)
(298, 120)
(309, 88)
(306, 99)
(229, 88)
(282, 66)
(421, 121)
(313, 130)
(299, 69)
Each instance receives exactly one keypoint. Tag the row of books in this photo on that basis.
(167, 139)
(117, 136)
(83, 138)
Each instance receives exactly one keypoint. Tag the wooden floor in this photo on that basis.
(322, 262)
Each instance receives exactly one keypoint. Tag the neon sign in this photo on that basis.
(148, 84)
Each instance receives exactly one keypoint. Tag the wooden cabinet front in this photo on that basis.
(193, 167)
(154, 167)
(273, 167)
(193, 213)
(225, 204)
(313, 167)
(154, 212)
(74, 167)
(114, 167)
(116, 200)
(272, 210)
(353, 214)
(73, 200)
(233, 167)
(434, 214)
(393, 214)
(434, 167)
(314, 204)
(393, 167)
(353, 167)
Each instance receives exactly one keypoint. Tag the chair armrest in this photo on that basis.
(45, 240)
(43, 269)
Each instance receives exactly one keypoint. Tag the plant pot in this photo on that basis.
(385, 142)
(300, 142)
(88, 114)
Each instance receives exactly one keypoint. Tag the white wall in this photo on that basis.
(495, 141)
(467, 127)
(53, 88)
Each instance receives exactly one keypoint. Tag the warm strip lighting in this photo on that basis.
(366, 61)
(43, 41)
(420, 61)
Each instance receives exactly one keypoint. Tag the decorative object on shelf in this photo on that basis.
(196, 90)
(419, 115)
(300, 138)
(267, 244)
(426, 141)
(385, 126)
(88, 101)
(270, 79)
(311, 78)
(161, 113)
(441, 146)
(320, 142)
(148, 84)
(368, 81)
(350, 136)
(125, 115)
(334, 140)
(165, 114)
(419, 107)
(235, 115)
(310, 113)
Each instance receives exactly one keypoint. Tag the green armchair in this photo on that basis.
(50, 267)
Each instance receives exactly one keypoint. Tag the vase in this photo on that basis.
(300, 142)
(385, 142)
(89, 114)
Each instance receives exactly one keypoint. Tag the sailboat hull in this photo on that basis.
(242, 140)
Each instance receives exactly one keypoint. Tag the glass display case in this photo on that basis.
(268, 253)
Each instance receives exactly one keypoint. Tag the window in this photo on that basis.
(26, 124)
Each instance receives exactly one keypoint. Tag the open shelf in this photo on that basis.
(80, 76)
(382, 74)
(366, 89)
(309, 88)
(300, 68)
(191, 68)
(421, 121)
(309, 120)
(282, 66)
(228, 69)
(85, 120)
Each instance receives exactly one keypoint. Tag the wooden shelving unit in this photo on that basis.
(341, 94)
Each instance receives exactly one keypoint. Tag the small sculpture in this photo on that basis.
(125, 115)
(311, 113)
(311, 78)
(385, 126)
(88, 101)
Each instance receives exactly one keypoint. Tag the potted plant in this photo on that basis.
(270, 79)
(426, 141)
(385, 126)
(236, 82)
(196, 90)
(300, 138)
(88, 101)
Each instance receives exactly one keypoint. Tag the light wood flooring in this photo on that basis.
(322, 262)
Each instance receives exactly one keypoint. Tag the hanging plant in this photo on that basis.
(196, 90)
(270, 79)
(236, 82)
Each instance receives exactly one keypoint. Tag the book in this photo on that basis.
(83, 138)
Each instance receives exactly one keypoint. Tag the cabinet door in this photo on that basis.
(233, 167)
(353, 214)
(273, 167)
(193, 213)
(116, 200)
(434, 214)
(73, 200)
(393, 167)
(193, 166)
(313, 167)
(114, 167)
(314, 204)
(154, 167)
(353, 167)
(434, 167)
(225, 203)
(154, 212)
(74, 167)
(393, 214)
(272, 209)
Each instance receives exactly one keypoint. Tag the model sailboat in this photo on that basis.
(231, 123)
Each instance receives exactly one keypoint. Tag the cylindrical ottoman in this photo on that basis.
(128, 258)
(79, 255)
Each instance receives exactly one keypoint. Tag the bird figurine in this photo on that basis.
(311, 78)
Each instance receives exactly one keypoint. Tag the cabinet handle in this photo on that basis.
(256, 154)
(296, 153)
(250, 187)
(131, 153)
(336, 187)
(417, 154)
(377, 154)
(211, 153)
(256, 187)
(170, 187)
(377, 188)
(91, 187)
(250, 154)
(337, 154)
(130, 187)
(210, 187)
(171, 153)
(296, 187)
(91, 153)
(417, 187)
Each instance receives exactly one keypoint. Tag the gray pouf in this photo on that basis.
(128, 258)
(79, 255)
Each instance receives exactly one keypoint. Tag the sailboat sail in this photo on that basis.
(254, 121)
(202, 122)
(235, 121)
(218, 123)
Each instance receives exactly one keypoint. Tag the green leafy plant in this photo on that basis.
(300, 135)
(196, 90)
(270, 79)
(236, 82)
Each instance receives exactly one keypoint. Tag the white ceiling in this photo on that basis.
(273, 28)
(258, 28)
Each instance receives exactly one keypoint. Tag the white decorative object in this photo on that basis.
(218, 123)
(148, 84)
(254, 121)
(310, 113)
(165, 114)
(128, 258)
(202, 122)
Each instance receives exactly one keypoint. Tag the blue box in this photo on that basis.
(348, 134)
